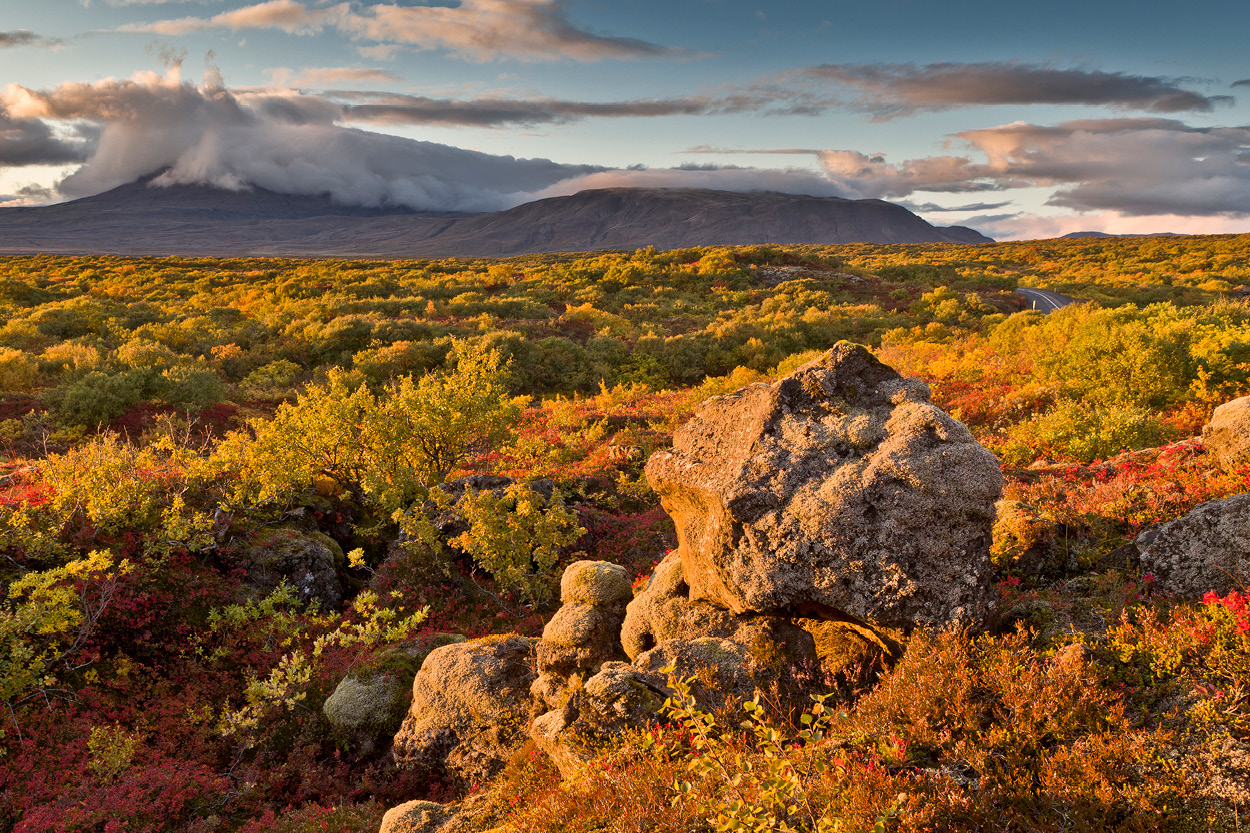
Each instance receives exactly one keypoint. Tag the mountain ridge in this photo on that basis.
(142, 219)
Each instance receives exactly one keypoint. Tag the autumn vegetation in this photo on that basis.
(158, 417)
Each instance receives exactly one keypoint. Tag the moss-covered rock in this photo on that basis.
(308, 561)
(364, 710)
(595, 583)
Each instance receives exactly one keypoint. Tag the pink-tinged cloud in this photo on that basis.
(1035, 227)
(893, 90)
(480, 30)
(323, 77)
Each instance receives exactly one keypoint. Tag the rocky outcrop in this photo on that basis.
(308, 561)
(585, 632)
(470, 709)
(1227, 435)
(1207, 549)
(839, 490)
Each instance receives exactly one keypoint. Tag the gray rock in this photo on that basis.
(306, 560)
(585, 632)
(839, 488)
(1207, 549)
(470, 708)
(619, 697)
(362, 710)
(1227, 435)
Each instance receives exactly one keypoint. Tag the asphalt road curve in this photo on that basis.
(1045, 300)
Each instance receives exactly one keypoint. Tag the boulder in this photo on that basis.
(595, 583)
(416, 817)
(724, 672)
(664, 612)
(1207, 549)
(619, 697)
(308, 561)
(839, 490)
(1227, 435)
(363, 710)
(470, 709)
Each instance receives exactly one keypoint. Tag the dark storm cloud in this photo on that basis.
(32, 142)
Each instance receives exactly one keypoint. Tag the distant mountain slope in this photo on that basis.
(1078, 235)
(191, 220)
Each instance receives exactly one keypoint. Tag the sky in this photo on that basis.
(1022, 120)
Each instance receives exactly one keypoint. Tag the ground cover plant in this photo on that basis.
(165, 423)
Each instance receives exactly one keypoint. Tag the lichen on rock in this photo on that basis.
(470, 708)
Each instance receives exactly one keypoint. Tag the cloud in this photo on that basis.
(934, 208)
(295, 143)
(23, 37)
(1245, 82)
(480, 30)
(282, 140)
(386, 108)
(27, 195)
(32, 142)
(322, 77)
(1133, 166)
(893, 90)
(1025, 226)
(786, 181)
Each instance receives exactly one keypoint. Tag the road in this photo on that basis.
(1044, 299)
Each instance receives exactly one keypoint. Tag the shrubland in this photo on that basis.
(161, 417)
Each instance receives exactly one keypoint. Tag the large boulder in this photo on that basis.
(839, 491)
(470, 709)
(308, 561)
(1227, 435)
(1207, 549)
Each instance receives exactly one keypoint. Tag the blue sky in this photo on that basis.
(1019, 119)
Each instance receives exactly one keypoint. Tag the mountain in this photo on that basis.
(141, 219)
(1078, 235)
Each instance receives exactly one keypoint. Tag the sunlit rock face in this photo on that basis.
(839, 491)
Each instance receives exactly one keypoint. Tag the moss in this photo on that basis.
(373, 707)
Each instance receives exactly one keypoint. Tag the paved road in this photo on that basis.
(1045, 300)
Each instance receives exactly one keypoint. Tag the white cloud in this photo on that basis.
(276, 139)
